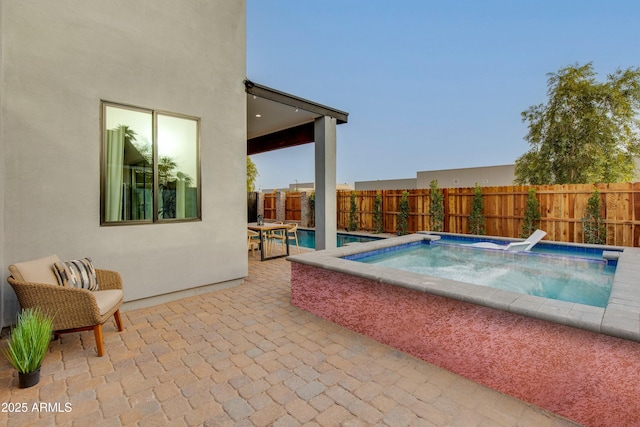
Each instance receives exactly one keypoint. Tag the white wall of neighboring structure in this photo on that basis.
(310, 186)
(484, 176)
(59, 60)
(487, 176)
(387, 184)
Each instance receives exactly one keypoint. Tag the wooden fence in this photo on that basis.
(561, 206)
(270, 206)
(293, 207)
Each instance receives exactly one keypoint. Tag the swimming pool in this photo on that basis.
(307, 238)
(583, 280)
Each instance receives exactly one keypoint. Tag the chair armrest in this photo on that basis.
(70, 307)
(108, 279)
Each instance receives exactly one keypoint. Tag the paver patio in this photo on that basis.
(245, 356)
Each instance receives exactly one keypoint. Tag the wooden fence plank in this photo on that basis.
(270, 206)
(293, 207)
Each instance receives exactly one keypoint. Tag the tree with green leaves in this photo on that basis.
(130, 136)
(587, 132)
(252, 174)
(378, 222)
(402, 227)
(594, 229)
(531, 220)
(476, 218)
(166, 168)
(436, 209)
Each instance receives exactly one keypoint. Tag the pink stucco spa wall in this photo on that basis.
(591, 378)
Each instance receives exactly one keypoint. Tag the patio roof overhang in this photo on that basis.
(278, 120)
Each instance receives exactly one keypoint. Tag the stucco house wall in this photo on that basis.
(59, 60)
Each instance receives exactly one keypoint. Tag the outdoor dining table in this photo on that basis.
(262, 230)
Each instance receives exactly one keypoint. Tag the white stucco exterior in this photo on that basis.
(387, 184)
(59, 60)
(485, 176)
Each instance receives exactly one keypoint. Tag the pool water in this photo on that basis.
(568, 278)
(307, 238)
(544, 247)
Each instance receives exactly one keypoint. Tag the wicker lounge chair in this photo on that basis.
(74, 309)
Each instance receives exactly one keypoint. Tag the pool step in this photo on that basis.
(611, 256)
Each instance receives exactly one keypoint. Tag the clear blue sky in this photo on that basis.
(428, 85)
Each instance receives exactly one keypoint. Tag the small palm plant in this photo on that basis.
(29, 343)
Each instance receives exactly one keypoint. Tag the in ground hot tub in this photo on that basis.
(577, 360)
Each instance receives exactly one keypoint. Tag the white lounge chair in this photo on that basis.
(526, 245)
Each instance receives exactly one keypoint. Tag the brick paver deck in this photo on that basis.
(246, 357)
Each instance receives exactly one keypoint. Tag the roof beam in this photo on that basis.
(294, 101)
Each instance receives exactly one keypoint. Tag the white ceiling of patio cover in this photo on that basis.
(275, 116)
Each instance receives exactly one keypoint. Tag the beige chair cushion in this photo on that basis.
(35, 271)
(107, 299)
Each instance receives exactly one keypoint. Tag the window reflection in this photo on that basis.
(130, 161)
(177, 167)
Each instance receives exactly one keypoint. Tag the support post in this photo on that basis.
(325, 179)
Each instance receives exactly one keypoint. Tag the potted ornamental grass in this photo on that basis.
(28, 344)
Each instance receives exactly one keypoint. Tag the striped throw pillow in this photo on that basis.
(77, 273)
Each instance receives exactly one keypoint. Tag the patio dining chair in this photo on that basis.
(274, 236)
(291, 234)
(253, 241)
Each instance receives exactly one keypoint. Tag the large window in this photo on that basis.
(150, 166)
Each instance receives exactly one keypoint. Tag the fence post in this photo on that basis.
(261, 204)
(304, 209)
(281, 199)
(445, 200)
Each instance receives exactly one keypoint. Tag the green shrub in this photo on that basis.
(594, 229)
(353, 214)
(436, 210)
(29, 340)
(531, 220)
(378, 222)
(403, 217)
(476, 219)
(312, 210)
